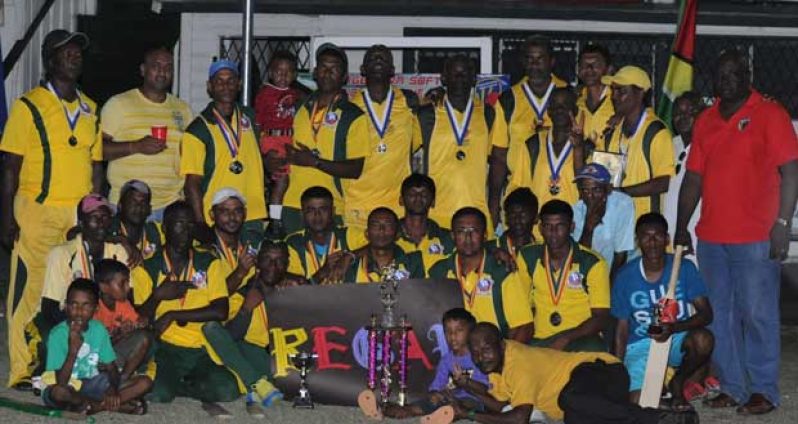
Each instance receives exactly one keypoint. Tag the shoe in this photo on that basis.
(216, 411)
(757, 404)
(720, 401)
(253, 406)
(275, 231)
(678, 417)
(24, 385)
(266, 392)
(692, 391)
(537, 417)
(712, 386)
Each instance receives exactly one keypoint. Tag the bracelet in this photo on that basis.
(783, 222)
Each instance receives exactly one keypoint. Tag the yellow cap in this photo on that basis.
(628, 75)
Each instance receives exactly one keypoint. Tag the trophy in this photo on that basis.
(304, 362)
(383, 335)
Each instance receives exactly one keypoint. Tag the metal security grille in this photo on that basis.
(773, 60)
(263, 48)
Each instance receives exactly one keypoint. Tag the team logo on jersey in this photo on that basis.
(246, 125)
(575, 280)
(200, 279)
(743, 123)
(484, 285)
(435, 249)
(331, 118)
(177, 117)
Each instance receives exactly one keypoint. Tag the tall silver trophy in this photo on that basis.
(380, 337)
(304, 362)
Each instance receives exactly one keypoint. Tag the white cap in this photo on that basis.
(226, 193)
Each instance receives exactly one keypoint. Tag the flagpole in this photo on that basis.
(245, 63)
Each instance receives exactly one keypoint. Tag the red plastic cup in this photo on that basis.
(159, 132)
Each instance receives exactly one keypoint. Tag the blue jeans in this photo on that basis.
(744, 285)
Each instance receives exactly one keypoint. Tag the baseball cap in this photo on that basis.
(335, 50)
(222, 64)
(227, 193)
(58, 38)
(595, 172)
(628, 75)
(136, 185)
(92, 202)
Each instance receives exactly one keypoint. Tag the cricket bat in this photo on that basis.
(657, 361)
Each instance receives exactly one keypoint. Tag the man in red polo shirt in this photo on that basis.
(743, 165)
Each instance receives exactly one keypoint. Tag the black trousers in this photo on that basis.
(598, 393)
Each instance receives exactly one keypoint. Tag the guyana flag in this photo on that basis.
(679, 77)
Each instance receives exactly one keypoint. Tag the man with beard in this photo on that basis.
(220, 149)
(523, 110)
(130, 122)
(743, 165)
(394, 135)
(52, 157)
(457, 141)
(131, 221)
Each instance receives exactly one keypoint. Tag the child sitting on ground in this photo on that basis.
(80, 372)
(129, 336)
(454, 375)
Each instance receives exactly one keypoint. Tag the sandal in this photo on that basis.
(442, 415)
(757, 404)
(692, 391)
(134, 407)
(367, 402)
(720, 401)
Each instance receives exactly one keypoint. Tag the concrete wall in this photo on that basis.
(18, 16)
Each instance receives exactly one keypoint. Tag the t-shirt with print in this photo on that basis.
(633, 297)
(96, 349)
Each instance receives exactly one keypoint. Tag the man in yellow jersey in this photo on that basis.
(595, 98)
(523, 109)
(330, 139)
(570, 285)
(556, 153)
(52, 157)
(581, 388)
(74, 259)
(521, 214)
(320, 252)
(242, 341)
(178, 290)
(643, 142)
(417, 231)
(220, 149)
(381, 252)
(457, 146)
(394, 135)
(131, 222)
(132, 120)
(490, 292)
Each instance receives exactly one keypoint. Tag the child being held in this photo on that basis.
(455, 377)
(129, 336)
(80, 372)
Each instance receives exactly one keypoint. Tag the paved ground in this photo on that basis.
(185, 411)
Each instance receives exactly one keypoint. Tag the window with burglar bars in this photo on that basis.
(262, 49)
(773, 59)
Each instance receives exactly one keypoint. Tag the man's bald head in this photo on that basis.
(487, 332)
(487, 348)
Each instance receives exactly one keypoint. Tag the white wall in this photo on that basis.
(18, 16)
(200, 34)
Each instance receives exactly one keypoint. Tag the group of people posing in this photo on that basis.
(553, 208)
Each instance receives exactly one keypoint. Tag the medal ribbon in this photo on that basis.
(72, 117)
(364, 266)
(460, 128)
(230, 255)
(470, 296)
(625, 147)
(555, 165)
(315, 121)
(86, 266)
(556, 287)
(231, 138)
(538, 106)
(142, 244)
(188, 271)
(311, 249)
(380, 125)
(511, 248)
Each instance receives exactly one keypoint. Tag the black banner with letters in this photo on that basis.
(331, 322)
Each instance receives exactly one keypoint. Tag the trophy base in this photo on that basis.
(303, 403)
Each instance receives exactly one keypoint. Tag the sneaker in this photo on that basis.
(712, 386)
(275, 231)
(253, 406)
(266, 392)
(216, 411)
(537, 417)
